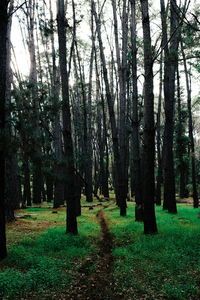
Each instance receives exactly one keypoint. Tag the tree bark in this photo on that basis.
(150, 226)
(135, 121)
(122, 75)
(170, 64)
(66, 118)
(12, 199)
(158, 138)
(190, 125)
(120, 187)
(180, 142)
(26, 183)
(56, 126)
(3, 60)
(36, 154)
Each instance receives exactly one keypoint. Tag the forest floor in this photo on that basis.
(111, 258)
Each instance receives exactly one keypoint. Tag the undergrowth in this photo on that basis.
(44, 260)
(162, 266)
(47, 262)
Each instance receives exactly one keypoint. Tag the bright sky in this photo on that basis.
(22, 56)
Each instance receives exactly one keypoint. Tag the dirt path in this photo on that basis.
(97, 284)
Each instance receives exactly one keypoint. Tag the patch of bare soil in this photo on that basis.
(186, 201)
(96, 284)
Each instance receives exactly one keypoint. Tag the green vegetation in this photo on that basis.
(46, 262)
(163, 266)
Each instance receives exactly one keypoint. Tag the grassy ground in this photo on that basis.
(164, 266)
(43, 261)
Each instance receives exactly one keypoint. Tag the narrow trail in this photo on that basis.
(97, 284)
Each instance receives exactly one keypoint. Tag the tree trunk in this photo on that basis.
(59, 186)
(26, 183)
(122, 75)
(192, 148)
(180, 144)
(158, 139)
(169, 94)
(36, 154)
(49, 187)
(135, 121)
(120, 187)
(150, 226)
(11, 198)
(66, 118)
(3, 60)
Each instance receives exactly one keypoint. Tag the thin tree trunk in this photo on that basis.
(120, 187)
(192, 148)
(135, 121)
(89, 159)
(36, 156)
(26, 183)
(158, 140)
(105, 189)
(122, 75)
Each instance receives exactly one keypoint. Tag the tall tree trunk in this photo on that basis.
(66, 118)
(105, 189)
(122, 75)
(158, 138)
(56, 126)
(3, 60)
(11, 198)
(120, 187)
(150, 226)
(192, 148)
(180, 144)
(135, 121)
(89, 159)
(57, 142)
(36, 155)
(170, 64)
(87, 135)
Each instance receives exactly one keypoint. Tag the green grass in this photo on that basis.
(47, 262)
(43, 260)
(163, 266)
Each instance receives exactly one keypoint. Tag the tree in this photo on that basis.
(181, 140)
(66, 119)
(158, 137)
(3, 60)
(33, 80)
(135, 119)
(59, 185)
(190, 125)
(12, 200)
(150, 226)
(121, 190)
(170, 63)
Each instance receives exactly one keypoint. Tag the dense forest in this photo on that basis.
(99, 117)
